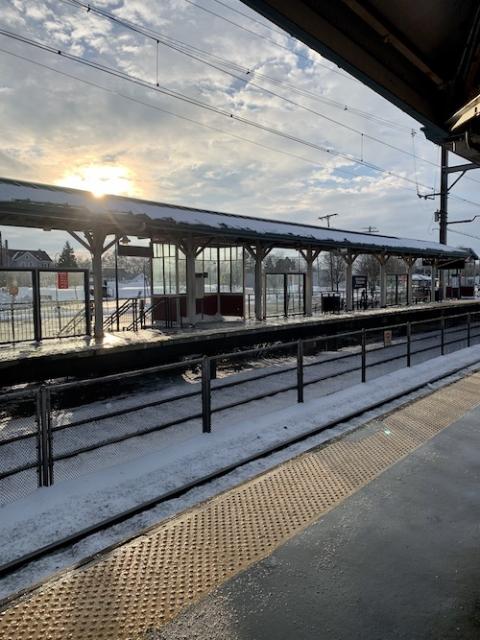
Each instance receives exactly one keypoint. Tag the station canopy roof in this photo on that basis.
(27, 204)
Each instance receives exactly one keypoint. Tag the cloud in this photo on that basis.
(55, 126)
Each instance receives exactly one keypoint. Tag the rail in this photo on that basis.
(36, 432)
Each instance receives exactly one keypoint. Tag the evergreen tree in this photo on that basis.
(67, 258)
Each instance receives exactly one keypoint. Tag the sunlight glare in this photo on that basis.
(100, 180)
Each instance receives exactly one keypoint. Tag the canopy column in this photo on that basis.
(409, 261)
(258, 252)
(349, 258)
(309, 255)
(433, 276)
(94, 242)
(383, 259)
(190, 252)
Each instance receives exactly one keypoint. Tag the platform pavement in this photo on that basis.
(399, 560)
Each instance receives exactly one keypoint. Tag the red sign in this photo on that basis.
(62, 280)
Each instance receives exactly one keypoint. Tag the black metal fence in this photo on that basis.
(55, 432)
(34, 304)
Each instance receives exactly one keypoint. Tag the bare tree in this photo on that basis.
(334, 264)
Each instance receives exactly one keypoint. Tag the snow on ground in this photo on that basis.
(340, 370)
(51, 513)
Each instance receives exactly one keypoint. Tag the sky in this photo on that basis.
(64, 123)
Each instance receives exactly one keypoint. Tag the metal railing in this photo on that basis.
(33, 307)
(47, 429)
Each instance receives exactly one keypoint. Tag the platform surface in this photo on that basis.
(373, 536)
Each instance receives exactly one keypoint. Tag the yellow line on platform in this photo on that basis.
(141, 585)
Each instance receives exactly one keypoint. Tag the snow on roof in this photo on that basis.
(166, 217)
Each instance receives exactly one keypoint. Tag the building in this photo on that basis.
(197, 256)
(26, 258)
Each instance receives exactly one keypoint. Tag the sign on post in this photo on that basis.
(62, 280)
(359, 282)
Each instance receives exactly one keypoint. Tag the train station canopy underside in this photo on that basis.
(26, 204)
(422, 56)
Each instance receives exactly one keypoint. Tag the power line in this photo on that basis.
(199, 103)
(262, 36)
(187, 49)
(149, 34)
(181, 117)
(461, 233)
(260, 22)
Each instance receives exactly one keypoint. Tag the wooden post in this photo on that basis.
(97, 240)
(383, 259)
(310, 255)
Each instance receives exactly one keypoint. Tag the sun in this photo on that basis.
(100, 180)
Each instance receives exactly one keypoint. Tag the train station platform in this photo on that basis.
(123, 351)
(373, 535)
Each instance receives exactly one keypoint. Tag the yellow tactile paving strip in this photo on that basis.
(146, 582)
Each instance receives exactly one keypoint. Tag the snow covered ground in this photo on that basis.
(169, 459)
(337, 370)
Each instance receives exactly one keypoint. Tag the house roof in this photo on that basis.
(39, 254)
(45, 206)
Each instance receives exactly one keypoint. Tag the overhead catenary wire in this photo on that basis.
(182, 47)
(150, 34)
(195, 102)
(251, 18)
(149, 105)
(187, 50)
(263, 37)
(184, 118)
(200, 104)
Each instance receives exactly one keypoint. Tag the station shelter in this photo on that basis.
(198, 256)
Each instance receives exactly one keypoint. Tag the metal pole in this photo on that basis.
(39, 421)
(37, 314)
(86, 292)
(469, 328)
(206, 396)
(442, 351)
(409, 345)
(116, 284)
(300, 371)
(443, 197)
(443, 213)
(364, 355)
(45, 437)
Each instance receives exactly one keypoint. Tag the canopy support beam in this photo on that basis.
(309, 255)
(259, 252)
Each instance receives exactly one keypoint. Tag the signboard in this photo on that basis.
(445, 263)
(359, 282)
(62, 280)
(200, 284)
(387, 338)
(134, 251)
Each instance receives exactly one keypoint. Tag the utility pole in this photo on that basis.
(370, 229)
(443, 213)
(327, 218)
